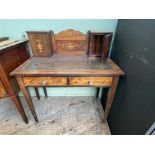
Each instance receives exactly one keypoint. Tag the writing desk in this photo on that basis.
(68, 71)
(68, 59)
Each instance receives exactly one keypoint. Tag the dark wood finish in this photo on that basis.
(45, 91)
(3, 38)
(69, 66)
(40, 42)
(99, 43)
(70, 42)
(61, 70)
(3, 92)
(44, 43)
(97, 92)
(37, 92)
(59, 65)
(27, 97)
(11, 56)
(110, 97)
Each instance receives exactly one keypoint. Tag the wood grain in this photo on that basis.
(71, 64)
(11, 59)
(2, 91)
(91, 81)
(63, 65)
(11, 56)
(49, 81)
(70, 42)
(99, 44)
(41, 43)
(37, 92)
(27, 97)
(110, 97)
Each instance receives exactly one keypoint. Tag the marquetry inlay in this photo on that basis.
(39, 45)
(70, 46)
(71, 40)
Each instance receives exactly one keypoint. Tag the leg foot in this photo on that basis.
(36, 119)
(97, 92)
(110, 97)
(27, 98)
(26, 121)
(20, 108)
(37, 92)
(45, 91)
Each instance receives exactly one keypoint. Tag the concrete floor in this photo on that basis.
(57, 116)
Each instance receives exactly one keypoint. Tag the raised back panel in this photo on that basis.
(70, 42)
(40, 42)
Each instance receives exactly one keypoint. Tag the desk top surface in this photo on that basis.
(64, 65)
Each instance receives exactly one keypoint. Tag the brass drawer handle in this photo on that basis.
(90, 82)
(44, 82)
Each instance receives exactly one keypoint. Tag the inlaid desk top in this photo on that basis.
(64, 65)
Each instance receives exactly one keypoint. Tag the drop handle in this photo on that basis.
(90, 83)
(44, 82)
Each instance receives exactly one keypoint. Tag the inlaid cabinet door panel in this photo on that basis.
(41, 43)
(2, 91)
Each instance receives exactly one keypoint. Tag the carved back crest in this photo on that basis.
(70, 42)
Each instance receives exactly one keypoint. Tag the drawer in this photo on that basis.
(48, 81)
(2, 91)
(90, 81)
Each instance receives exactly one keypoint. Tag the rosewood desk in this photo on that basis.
(68, 59)
(68, 71)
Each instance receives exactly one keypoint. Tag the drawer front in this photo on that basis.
(45, 81)
(2, 91)
(90, 81)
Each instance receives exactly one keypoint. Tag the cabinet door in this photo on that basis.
(40, 42)
(2, 90)
(100, 43)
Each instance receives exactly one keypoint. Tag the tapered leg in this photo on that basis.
(45, 91)
(20, 108)
(110, 97)
(37, 92)
(27, 98)
(11, 93)
(97, 92)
